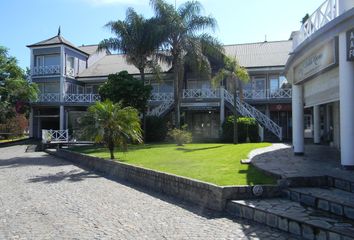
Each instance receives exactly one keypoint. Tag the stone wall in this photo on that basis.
(204, 194)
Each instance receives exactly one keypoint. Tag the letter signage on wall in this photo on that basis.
(350, 45)
(319, 60)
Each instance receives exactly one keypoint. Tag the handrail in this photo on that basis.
(247, 110)
(201, 93)
(161, 109)
(46, 70)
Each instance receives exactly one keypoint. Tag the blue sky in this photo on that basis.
(24, 22)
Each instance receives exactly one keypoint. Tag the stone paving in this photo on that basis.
(318, 160)
(43, 197)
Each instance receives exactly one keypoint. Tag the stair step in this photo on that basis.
(332, 200)
(292, 217)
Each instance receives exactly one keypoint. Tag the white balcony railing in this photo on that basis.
(46, 70)
(215, 93)
(324, 14)
(48, 97)
(201, 93)
(266, 94)
(70, 72)
(70, 98)
(163, 96)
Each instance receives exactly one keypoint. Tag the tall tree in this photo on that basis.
(113, 125)
(15, 91)
(185, 41)
(234, 74)
(138, 38)
(124, 88)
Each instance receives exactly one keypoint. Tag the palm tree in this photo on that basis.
(185, 42)
(113, 125)
(233, 73)
(138, 38)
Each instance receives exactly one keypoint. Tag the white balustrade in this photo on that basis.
(72, 98)
(81, 98)
(266, 94)
(70, 72)
(48, 97)
(161, 96)
(46, 70)
(201, 93)
(55, 136)
(162, 108)
(324, 14)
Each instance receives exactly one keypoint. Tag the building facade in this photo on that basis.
(321, 71)
(69, 77)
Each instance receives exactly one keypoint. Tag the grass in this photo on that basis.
(214, 163)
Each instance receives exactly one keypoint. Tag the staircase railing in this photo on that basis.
(247, 110)
(160, 109)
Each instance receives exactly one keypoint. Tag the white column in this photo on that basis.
(316, 125)
(298, 120)
(344, 5)
(62, 74)
(30, 124)
(61, 118)
(346, 93)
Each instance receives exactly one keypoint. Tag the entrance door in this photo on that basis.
(258, 87)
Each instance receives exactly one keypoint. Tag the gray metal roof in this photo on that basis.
(58, 39)
(111, 64)
(90, 49)
(263, 54)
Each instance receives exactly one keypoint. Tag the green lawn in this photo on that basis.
(214, 163)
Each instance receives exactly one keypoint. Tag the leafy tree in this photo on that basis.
(185, 42)
(15, 91)
(127, 90)
(113, 125)
(138, 38)
(233, 73)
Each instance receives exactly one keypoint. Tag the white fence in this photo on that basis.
(55, 136)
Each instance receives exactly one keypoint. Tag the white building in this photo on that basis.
(321, 70)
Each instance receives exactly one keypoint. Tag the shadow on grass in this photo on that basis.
(196, 149)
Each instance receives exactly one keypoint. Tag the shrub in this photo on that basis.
(156, 129)
(247, 129)
(180, 136)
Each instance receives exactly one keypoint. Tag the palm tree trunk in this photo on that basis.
(176, 93)
(111, 148)
(142, 77)
(235, 114)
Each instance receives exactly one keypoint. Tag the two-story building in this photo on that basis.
(69, 77)
(321, 71)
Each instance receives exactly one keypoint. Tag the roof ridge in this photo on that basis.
(234, 44)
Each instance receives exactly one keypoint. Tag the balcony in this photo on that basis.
(68, 98)
(70, 72)
(215, 94)
(46, 70)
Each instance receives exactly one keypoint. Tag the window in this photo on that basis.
(39, 61)
(282, 81)
(273, 83)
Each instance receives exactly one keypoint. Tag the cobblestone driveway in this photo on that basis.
(42, 197)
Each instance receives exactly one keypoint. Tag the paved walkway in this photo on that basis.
(318, 160)
(43, 197)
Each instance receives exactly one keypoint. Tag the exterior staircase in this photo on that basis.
(166, 101)
(247, 110)
(325, 212)
(161, 109)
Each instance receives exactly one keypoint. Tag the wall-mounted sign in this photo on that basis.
(317, 61)
(350, 45)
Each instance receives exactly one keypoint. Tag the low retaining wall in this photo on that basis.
(16, 142)
(204, 194)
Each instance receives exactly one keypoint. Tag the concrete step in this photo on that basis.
(331, 200)
(290, 216)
